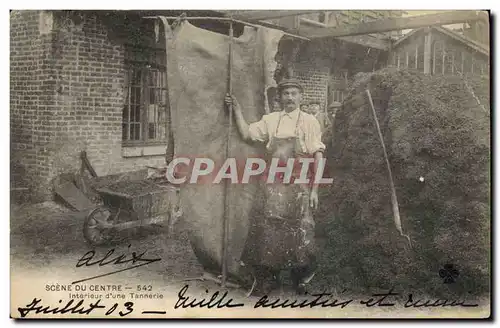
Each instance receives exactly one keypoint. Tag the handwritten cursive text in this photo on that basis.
(88, 260)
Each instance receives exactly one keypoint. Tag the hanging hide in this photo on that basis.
(197, 71)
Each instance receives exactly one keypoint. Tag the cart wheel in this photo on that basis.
(93, 229)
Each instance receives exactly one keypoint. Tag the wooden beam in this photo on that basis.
(266, 14)
(327, 17)
(367, 41)
(364, 40)
(463, 61)
(404, 38)
(311, 22)
(416, 56)
(483, 48)
(434, 58)
(427, 52)
(401, 23)
(304, 31)
(453, 62)
(443, 69)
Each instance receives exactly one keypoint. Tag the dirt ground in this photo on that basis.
(47, 241)
(48, 234)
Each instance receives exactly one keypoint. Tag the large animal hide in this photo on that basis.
(197, 70)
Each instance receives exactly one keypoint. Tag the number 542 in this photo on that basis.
(144, 288)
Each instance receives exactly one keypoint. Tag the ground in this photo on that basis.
(48, 234)
(47, 241)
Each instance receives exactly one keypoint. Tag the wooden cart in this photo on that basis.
(131, 204)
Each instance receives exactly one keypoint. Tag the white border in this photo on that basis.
(255, 4)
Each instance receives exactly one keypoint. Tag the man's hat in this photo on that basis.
(289, 83)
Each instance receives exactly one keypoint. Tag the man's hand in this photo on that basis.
(313, 199)
(231, 102)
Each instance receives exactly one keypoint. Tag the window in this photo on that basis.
(145, 113)
(337, 87)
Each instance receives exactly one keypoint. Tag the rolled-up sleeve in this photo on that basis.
(312, 136)
(258, 131)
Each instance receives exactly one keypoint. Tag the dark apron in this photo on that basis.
(283, 235)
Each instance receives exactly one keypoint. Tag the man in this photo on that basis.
(283, 237)
(304, 107)
(333, 109)
(324, 121)
(329, 135)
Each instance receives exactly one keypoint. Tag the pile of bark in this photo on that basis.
(438, 143)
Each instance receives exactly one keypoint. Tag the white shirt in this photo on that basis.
(308, 130)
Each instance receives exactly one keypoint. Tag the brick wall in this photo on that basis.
(329, 63)
(67, 94)
(312, 69)
(29, 118)
(79, 84)
(314, 80)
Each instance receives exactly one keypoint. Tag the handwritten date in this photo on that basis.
(37, 307)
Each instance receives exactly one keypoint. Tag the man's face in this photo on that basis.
(290, 98)
(314, 109)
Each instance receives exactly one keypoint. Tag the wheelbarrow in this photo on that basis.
(131, 204)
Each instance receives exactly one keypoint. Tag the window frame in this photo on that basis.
(146, 69)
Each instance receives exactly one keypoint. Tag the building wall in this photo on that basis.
(312, 68)
(314, 79)
(67, 94)
(448, 56)
(30, 86)
(79, 84)
(325, 68)
(326, 65)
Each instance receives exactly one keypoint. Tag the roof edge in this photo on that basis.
(466, 40)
